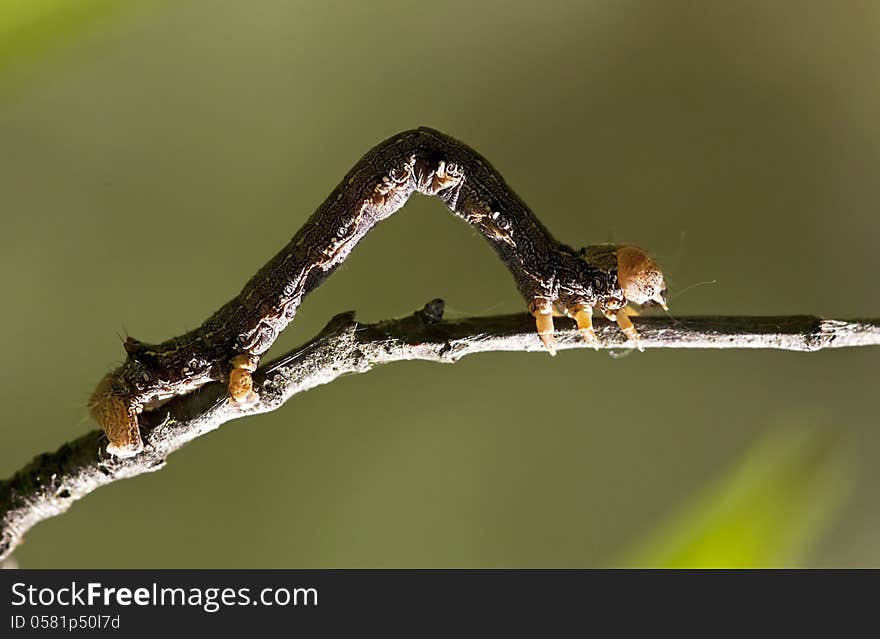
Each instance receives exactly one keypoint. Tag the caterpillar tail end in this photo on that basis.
(117, 416)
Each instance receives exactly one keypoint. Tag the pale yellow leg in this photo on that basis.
(543, 314)
(626, 325)
(584, 318)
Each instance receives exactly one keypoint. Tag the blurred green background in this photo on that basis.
(155, 154)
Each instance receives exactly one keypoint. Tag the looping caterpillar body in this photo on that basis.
(553, 278)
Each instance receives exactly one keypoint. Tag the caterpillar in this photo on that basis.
(554, 279)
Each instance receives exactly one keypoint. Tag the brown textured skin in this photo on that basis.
(547, 273)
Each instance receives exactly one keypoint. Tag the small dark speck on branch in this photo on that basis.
(51, 482)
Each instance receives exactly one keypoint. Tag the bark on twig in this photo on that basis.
(51, 482)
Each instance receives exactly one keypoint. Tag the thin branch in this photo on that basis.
(49, 484)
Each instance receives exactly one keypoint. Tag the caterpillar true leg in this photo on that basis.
(626, 325)
(583, 315)
(542, 311)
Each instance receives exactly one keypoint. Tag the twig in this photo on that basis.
(49, 484)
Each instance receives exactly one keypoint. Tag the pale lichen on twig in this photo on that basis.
(51, 482)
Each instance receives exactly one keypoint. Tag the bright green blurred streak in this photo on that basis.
(768, 511)
(32, 27)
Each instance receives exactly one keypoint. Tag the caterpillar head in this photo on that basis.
(640, 277)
